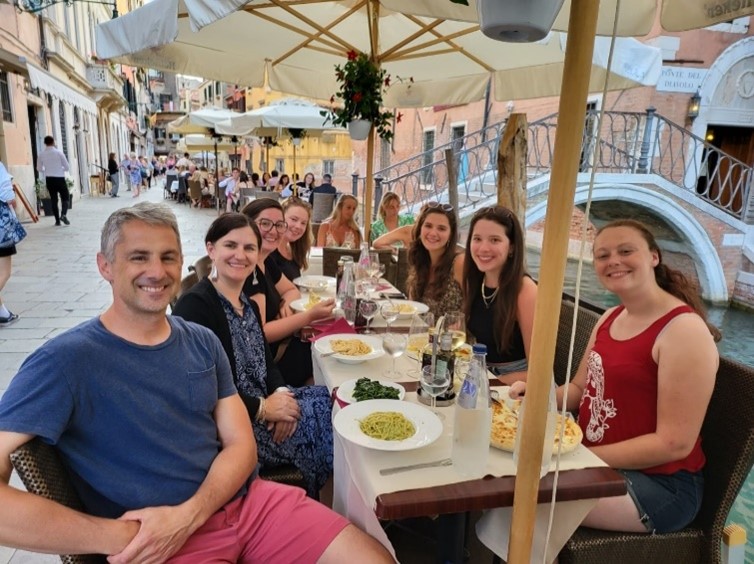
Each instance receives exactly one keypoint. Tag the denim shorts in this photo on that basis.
(505, 368)
(666, 503)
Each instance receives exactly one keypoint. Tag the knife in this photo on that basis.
(397, 469)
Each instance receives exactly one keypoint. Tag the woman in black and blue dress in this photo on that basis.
(291, 426)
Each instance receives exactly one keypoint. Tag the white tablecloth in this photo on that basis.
(358, 482)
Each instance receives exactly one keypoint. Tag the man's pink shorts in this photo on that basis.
(271, 523)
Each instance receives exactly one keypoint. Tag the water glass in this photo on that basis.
(418, 337)
(395, 346)
(368, 308)
(390, 313)
(433, 383)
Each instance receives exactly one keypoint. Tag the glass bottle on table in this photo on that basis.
(347, 293)
(473, 419)
(446, 359)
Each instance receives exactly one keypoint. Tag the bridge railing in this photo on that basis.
(627, 143)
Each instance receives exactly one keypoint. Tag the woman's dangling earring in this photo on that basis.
(254, 279)
(213, 273)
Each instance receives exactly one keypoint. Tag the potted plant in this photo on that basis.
(69, 183)
(362, 87)
(44, 202)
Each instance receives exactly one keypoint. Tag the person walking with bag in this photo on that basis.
(11, 232)
(53, 164)
(114, 170)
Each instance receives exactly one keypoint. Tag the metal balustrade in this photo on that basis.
(631, 143)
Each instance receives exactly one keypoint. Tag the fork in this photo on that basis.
(397, 469)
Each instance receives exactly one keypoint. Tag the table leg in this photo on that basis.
(451, 534)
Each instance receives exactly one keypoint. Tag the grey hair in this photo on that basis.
(149, 213)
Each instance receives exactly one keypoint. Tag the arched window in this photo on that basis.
(63, 129)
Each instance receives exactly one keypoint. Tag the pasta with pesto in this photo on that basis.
(387, 426)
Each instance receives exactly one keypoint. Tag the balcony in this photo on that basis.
(108, 88)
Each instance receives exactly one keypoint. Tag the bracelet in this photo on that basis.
(282, 389)
(261, 411)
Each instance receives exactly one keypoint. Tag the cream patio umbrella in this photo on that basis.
(298, 43)
(292, 117)
(204, 121)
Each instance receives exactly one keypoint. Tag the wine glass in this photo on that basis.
(374, 264)
(433, 383)
(390, 312)
(368, 308)
(418, 337)
(394, 345)
(455, 323)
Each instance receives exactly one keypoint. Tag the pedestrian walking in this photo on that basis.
(11, 232)
(53, 164)
(124, 164)
(134, 174)
(114, 170)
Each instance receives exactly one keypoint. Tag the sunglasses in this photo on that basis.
(268, 224)
(439, 206)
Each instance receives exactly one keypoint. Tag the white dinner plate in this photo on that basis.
(322, 346)
(345, 390)
(316, 282)
(418, 307)
(428, 425)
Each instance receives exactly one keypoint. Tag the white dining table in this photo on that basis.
(358, 483)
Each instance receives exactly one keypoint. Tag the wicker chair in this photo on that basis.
(195, 191)
(202, 267)
(322, 206)
(265, 194)
(330, 256)
(401, 271)
(584, 325)
(728, 442)
(42, 472)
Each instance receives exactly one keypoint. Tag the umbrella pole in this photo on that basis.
(294, 162)
(217, 179)
(369, 183)
(574, 91)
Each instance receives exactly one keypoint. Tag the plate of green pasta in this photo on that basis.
(384, 424)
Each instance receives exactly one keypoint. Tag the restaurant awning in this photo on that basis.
(45, 81)
(10, 62)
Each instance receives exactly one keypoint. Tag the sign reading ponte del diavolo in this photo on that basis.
(680, 79)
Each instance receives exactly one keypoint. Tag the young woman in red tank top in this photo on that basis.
(643, 388)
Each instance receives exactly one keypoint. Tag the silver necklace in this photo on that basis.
(488, 299)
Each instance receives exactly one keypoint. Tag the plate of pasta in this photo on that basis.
(350, 348)
(408, 308)
(384, 424)
(307, 302)
(315, 282)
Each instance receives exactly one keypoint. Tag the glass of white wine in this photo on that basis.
(394, 345)
(455, 322)
(433, 383)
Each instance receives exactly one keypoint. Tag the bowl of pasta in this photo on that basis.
(384, 424)
(350, 348)
(407, 308)
(315, 283)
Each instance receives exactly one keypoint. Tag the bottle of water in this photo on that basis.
(347, 293)
(547, 450)
(363, 265)
(473, 419)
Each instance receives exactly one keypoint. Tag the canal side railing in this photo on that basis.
(631, 143)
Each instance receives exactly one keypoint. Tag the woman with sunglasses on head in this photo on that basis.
(643, 388)
(436, 265)
(389, 219)
(499, 294)
(292, 254)
(290, 426)
(340, 229)
(273, 292)
(306, 187)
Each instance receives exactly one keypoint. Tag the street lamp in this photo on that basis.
(34, 6)
(694, 102)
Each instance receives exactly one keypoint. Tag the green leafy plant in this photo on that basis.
(69, 183)
(40, 188)
(362, 87)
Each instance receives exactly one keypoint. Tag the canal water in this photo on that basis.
(737, 343)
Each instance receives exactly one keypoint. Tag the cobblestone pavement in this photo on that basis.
(55, 285)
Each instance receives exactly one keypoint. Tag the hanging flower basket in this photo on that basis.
(358, 129)
(362, 87)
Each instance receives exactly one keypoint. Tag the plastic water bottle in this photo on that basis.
(363, 264)
(347, 293)
(473, 419)
(552, 418)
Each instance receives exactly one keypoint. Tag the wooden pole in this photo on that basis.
(450, 164)
(373, 10)
(511, 166)
(574, 91)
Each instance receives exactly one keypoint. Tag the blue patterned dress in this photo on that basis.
(310, 448)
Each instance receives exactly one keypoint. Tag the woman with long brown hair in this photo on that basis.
(292, 254)
(434, 276)
(341, 229)
(499, 295)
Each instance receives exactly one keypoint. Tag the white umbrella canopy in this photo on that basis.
(202, 121)
(198, 142)
(299, 43)
(636, 19)
(273, 120)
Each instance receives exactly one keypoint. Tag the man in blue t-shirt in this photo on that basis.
(143, 411)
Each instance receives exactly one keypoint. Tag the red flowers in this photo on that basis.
(352, 55)
(399, 117)
(357, 97)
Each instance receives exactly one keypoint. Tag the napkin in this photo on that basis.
(331, 327)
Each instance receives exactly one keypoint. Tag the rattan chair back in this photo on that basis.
(322, 206)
